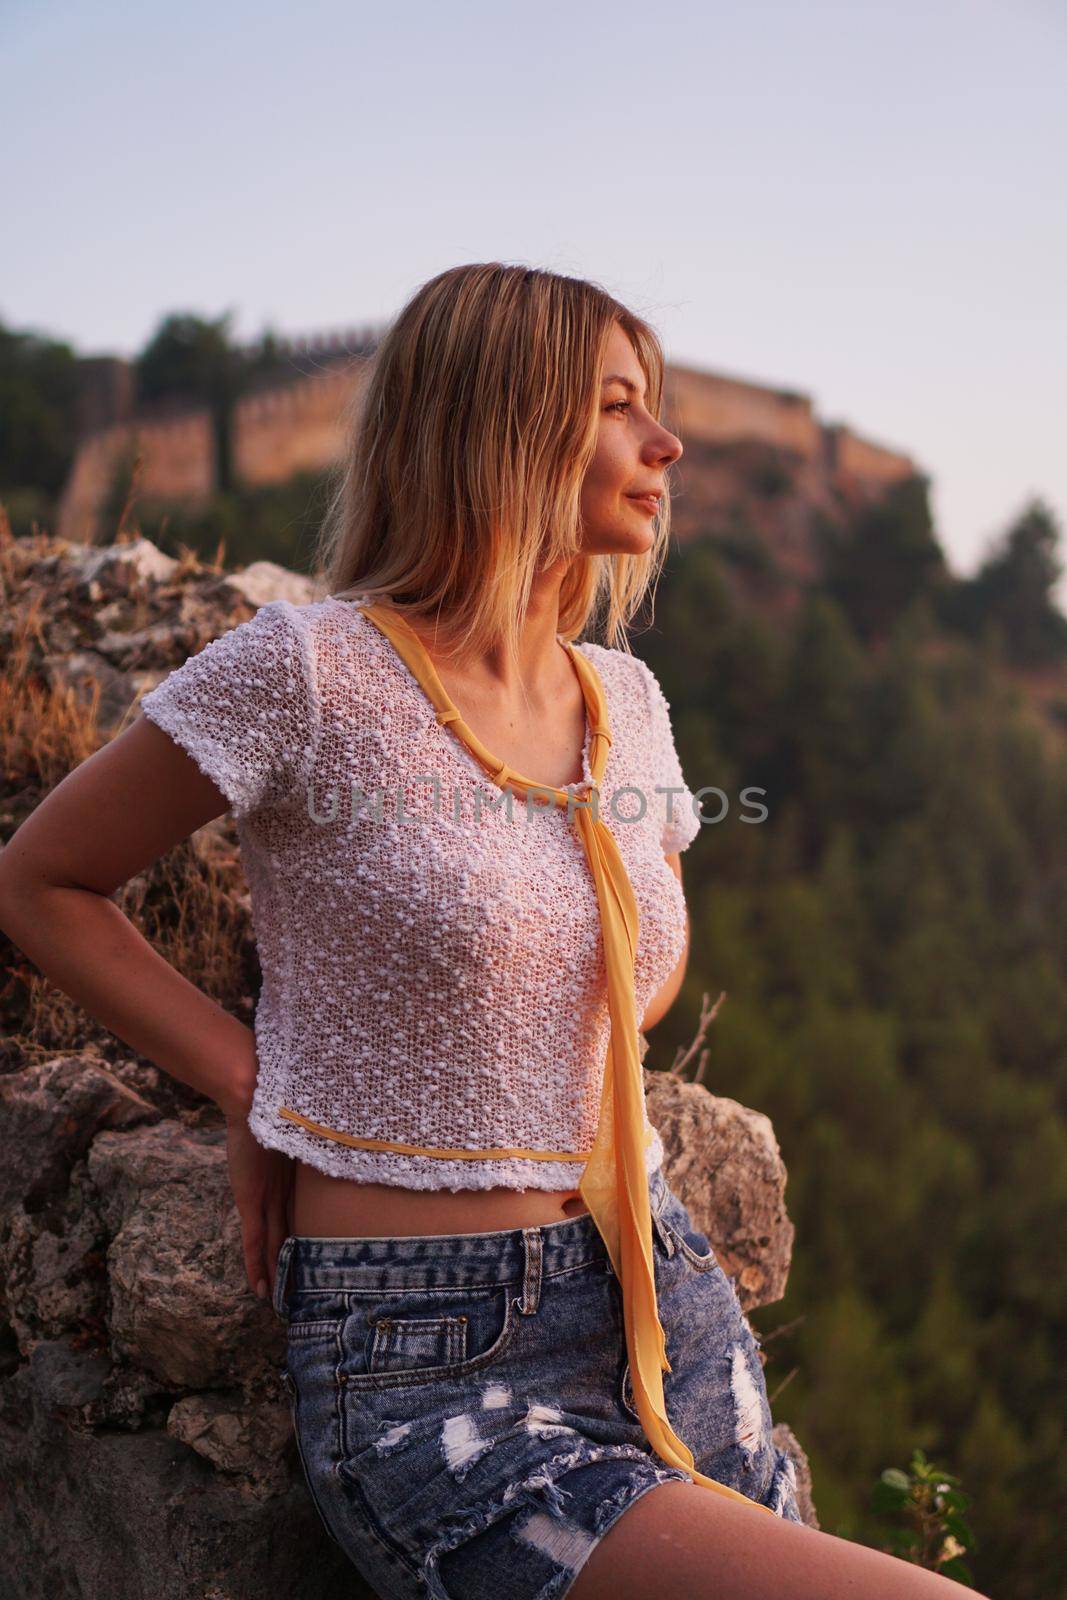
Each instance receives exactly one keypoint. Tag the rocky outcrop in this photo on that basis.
(144, 1433)
(126, 653)
(726, 1166)
(145, 1437)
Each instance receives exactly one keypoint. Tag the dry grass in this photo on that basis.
(682, 1067)
(191, 905)
(46, 729)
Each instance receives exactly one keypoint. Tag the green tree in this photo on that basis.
(1014, 592)
(192, 358)
(38, 411)
(891, 945)
(884, 559)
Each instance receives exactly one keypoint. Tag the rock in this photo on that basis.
(64, 1377)
(264, 581)
(54, 1270)
(162, 641)
(246, 1439)
(144, 1516)
(145, 1080)
(51, 1113)
(181, 1308)
(723, 1162)
(786, 1440)
(120, 569)
(81, 670)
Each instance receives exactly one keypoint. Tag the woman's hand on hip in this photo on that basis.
(262, 1182)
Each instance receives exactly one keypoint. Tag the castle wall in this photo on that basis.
(300, 427)
(721, 410)
(856, 458)
(177, 462)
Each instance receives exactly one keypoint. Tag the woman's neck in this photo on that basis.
(540, 665)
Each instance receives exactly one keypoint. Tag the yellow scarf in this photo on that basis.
(614, 1184)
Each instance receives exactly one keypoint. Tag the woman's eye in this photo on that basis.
(619, 405)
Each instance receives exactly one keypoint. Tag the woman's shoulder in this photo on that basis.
(358, 673)
(333, 616)
(332, 628)
(624, 675)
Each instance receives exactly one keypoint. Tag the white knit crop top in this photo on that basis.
(432, 966)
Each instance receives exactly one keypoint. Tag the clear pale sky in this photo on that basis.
(864, 202)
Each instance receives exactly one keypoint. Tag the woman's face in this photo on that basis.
(633, 453)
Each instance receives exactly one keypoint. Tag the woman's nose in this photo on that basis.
(668, 447)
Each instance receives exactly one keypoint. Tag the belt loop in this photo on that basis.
(664, 1237)
(279, 1299)
(531, 1279)
(660, 1194)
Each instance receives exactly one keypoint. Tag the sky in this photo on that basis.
(862, 202)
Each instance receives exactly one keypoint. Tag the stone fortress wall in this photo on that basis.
(298, 425)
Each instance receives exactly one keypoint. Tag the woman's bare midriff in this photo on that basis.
(324, 1207)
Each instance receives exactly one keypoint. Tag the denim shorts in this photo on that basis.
(462, 1402)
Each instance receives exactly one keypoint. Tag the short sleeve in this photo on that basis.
(245, 708)
(672, 800)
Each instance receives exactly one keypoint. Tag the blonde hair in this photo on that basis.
(466, 450)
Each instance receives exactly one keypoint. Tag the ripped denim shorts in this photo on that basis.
(462, 1402)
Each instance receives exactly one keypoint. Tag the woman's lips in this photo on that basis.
(648, 501)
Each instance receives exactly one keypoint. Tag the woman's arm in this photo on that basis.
(666, 995)
(129, 803)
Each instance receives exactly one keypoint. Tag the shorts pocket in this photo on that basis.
(407, 1338)
(408, 1344)
(692, 1244)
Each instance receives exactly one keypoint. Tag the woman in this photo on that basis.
(436, 1134)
